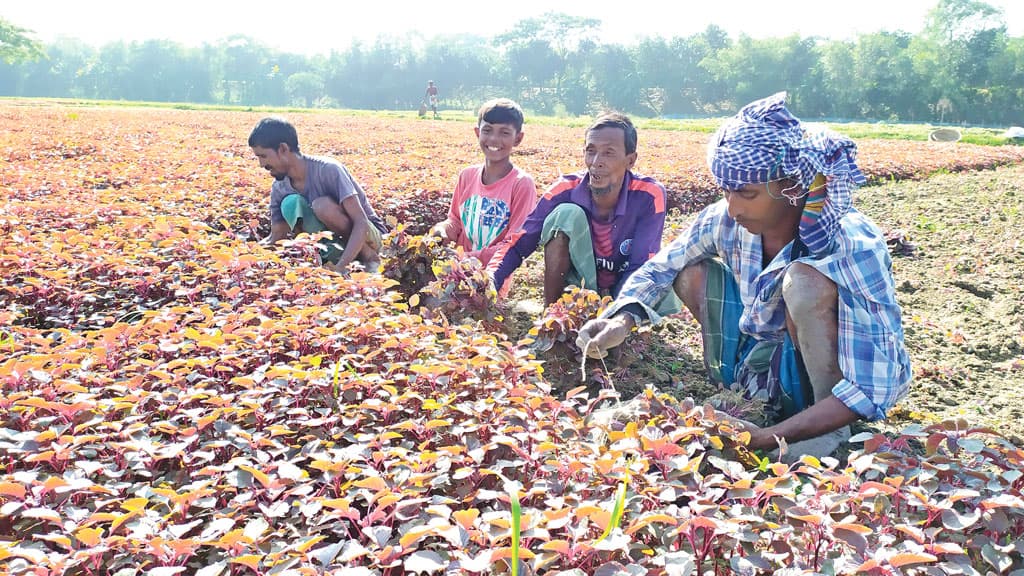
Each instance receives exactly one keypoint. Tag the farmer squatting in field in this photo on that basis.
(313, 194)
(597, 226)
(791, 285)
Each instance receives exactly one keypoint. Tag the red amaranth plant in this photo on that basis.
(184, 400)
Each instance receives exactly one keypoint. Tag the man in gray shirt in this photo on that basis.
(314, 194)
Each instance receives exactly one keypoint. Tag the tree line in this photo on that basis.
(963, 67)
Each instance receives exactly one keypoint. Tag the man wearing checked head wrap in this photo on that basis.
(792, 286)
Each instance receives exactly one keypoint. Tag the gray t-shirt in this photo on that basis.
(324, 177)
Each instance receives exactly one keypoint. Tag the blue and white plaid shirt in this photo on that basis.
(872, 356)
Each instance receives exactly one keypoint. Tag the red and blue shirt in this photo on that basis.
(636, 226)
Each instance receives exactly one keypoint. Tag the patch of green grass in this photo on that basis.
(856, 130)
(87, 103)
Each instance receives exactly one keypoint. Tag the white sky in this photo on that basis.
(318, 26)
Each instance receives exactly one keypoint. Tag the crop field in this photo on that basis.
(178, 399)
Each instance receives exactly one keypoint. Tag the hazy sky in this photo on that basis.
(317, 27)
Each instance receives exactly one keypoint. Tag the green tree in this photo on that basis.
(616, 83)
(111, 73)
(245, 68)
(536, 66)
(890, 83)
(953, 20)
(961, 40)
(16, 45)
(1007, 92)
(461, 65)
(708, 94)
(752, 67)
(839, 79)
(546, 45)
(304, 87)
(61, 73)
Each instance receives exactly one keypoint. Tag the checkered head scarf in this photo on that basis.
(764, 142)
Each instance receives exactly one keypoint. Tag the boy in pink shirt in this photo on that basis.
(492, 199)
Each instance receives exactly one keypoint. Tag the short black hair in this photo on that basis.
(620, 121)
(501, 111)
(270, 132)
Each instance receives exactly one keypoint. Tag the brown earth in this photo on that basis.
(958, 258)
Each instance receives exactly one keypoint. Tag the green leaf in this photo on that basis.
(516, 519)
(620, 504)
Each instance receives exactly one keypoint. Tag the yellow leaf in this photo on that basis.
(56, 539)
(89, 536)
(342, 504)
(34, 402)
(561, 546)
(651, 519)
(279, 430)
(252, 561)
(809, 518)
(415, 534)
(387, 499)
(207, 420)
(41, 457)
(234, 537)
(466, 518)
(506, 552)
(119, 520)
(99, 517)
(54, 482)
(373, 483)
(900, 560)
(328, 466)
(305, 546)
(134, 504)
(260, 476)
(12, 489)
(432, 404)
(545, 447)
(857, 528)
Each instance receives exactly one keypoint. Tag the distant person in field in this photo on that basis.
(493, 198)
(315, 194)
(430, 97)
(597, 226)
(791, 285)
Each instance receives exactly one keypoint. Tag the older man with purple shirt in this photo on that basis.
(597, 226)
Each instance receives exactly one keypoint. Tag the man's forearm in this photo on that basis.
(278, 232)
(821, 418)
(353, 246)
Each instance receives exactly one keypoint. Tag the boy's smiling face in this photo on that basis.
(497, 140)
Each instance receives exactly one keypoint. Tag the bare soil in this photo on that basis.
(957, 242)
